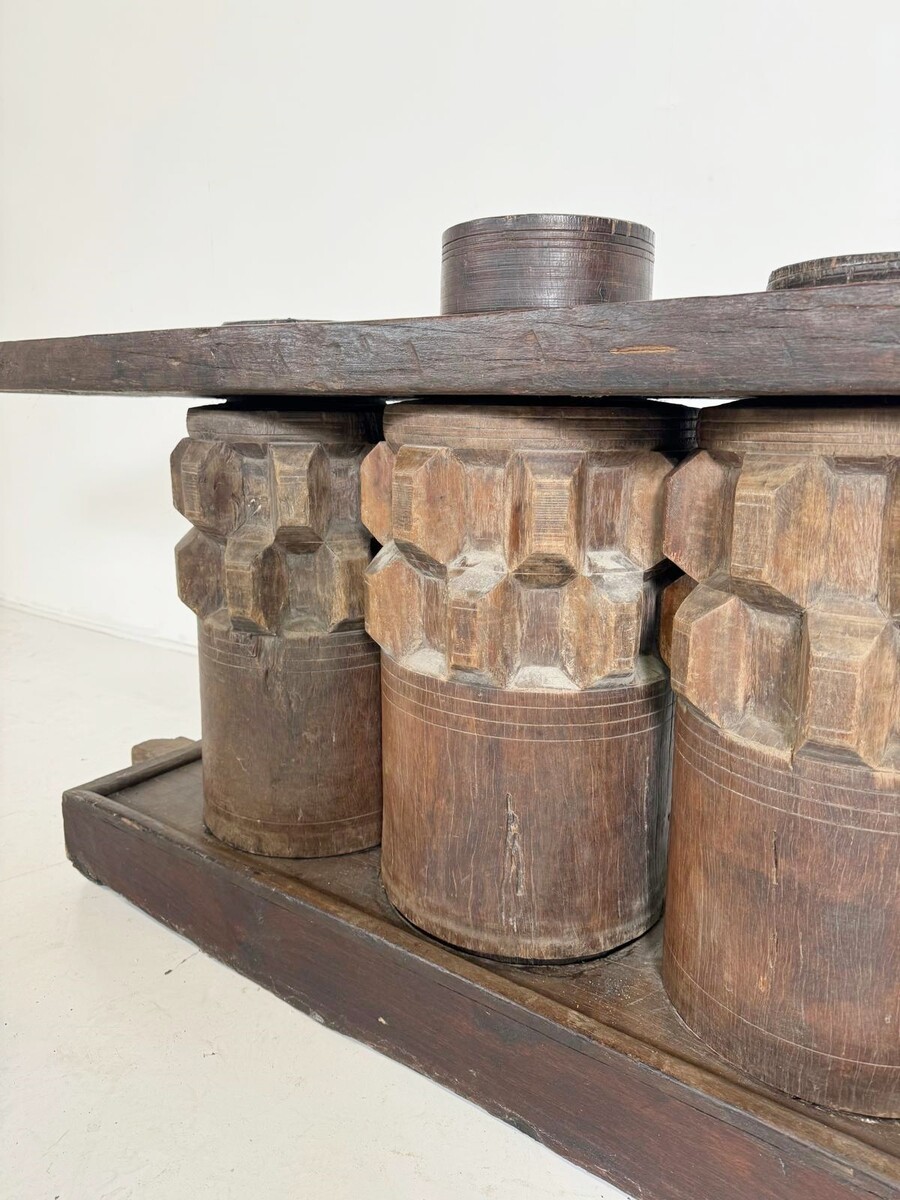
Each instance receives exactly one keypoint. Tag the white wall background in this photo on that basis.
(191, 162)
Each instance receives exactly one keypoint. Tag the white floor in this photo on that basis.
(133, 1066)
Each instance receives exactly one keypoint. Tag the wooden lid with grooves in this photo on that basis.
(544, 260)
(846, 268)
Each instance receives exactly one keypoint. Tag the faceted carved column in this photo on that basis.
(289, 679)
(526, 716)
(782, 943)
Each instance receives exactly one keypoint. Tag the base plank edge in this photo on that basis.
(587, 1059)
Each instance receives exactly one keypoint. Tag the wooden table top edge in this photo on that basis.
(841, 340)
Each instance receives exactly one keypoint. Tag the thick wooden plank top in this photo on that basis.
(842, 340)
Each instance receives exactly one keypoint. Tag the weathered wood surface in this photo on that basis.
(783, 908)
(526, 715)
(544, 260)
(844, 268)
(589, 1059)
(159, 748)
(830, 341)
(289, 681)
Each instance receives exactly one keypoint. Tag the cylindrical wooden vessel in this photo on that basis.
(845, 268)
(782, 941)
(289, 680)
(526, 716)
(544, 260)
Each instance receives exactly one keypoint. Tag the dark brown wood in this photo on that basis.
(846, 268)
(819, 341)
(526, 715)
(589, 1059)
(783, 909)
(782, 946)
(522, 824)
(544, 260)
(289, 681)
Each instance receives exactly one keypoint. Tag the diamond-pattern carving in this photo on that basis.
(516, 567)
(278, 537)
(789, 637)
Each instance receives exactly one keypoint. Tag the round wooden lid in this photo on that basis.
(846, 268)
(544, 260)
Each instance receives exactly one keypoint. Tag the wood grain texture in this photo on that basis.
(845, 268)
(526, 825)
(589, 1059)
(783, 925)
(782, 917)
(544, 260)
(809, 341)
(273, 568)
(526, 716)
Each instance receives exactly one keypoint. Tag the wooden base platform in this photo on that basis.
(590, 1059)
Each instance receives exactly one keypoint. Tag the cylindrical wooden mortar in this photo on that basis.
(526, 718)
(289, 680)
(782, 940)
(544, 260)
(828, 272)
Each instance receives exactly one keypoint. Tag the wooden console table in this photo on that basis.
(589, 1058)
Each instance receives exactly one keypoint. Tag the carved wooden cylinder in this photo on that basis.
(544, 260)
(782, 942)
(845, 268)
(289, 679)
(526, 716)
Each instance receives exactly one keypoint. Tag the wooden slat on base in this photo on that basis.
(589, 1058)
(838, 341)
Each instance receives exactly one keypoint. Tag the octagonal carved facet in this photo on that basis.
(300, 480)
(524, 546)
(395, 603)
(376, 481)
(200, 570)
(544, 505)
(698, 515)
(479, 613)
(427, 506)
(208, 485)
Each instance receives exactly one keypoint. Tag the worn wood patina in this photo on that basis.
(841, 341)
